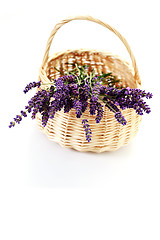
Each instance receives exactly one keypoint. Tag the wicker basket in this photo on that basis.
(66, 129)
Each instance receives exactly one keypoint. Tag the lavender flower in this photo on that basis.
(120, 118)
(111, 105)
(93, 107)
(12, 124)
(17, 119)
(35, 104)
(96, 91)
(99, 112)
(45, 117)
(55, 106)
(23, 114)
(69, 78)
(126, 98)
(149, 95)
(74, 89)
(84, 92)
(87, 129)
(78, 107)
(34, 112)
(59, 83)
(32, 85)
(68, 104)
(84, 106)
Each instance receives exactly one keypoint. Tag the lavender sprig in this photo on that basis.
(32, 85)
(87, 129)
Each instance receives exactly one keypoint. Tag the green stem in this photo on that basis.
(59, 71)
(83, 116)
(79, 73)
(108, 105)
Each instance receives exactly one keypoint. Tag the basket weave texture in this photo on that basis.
(66, 129)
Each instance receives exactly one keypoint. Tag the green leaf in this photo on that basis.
(104, 75)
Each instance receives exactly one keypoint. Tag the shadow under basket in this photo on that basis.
(66, 129)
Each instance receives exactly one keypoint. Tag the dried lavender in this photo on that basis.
(31, 85)
(120, 118)
(99, 112)
(80, 89)
(87, 129)
(78, 108)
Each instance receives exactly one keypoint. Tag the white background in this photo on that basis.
(49, 192)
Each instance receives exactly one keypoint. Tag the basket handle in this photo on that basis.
(89, 18)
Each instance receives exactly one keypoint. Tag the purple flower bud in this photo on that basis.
(87, 129)
(99, 112)
(78, 107)
(23, 114)
(120, 118)
(12, 124)
(32, 85)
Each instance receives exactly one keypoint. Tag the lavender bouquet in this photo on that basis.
(81, 88)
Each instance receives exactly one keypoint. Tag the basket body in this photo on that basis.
(66, 129)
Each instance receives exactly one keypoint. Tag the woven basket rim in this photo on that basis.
(42, 70)
(80, 50)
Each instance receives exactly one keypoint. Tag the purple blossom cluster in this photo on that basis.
(87, 129)
(125, 98)
(31, 85)
(80, 92)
